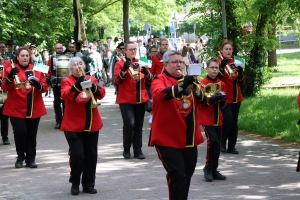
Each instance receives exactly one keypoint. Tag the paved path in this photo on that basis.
(262, 170)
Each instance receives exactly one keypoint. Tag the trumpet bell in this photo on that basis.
(209, 90)
(134, 75)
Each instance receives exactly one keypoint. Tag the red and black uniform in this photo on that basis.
(132, 96)
(233, 103)
(24, 107)
(3, 118)
(157, 64)
(210, 117)
(175, 132)
(81, 124)
(298, 164)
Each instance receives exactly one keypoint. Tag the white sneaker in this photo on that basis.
(150, 119)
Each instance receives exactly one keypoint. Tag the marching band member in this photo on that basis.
(58, 104)
(175, 131)
(81, 124)
(210, 117)
(157, 65)
(24, 106)
(234, 97)
(3, 118)
(131, 97)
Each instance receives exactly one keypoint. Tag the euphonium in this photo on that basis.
(19, 84)
(227, 67)
(209, 90)
(88, 91)
(133, 74)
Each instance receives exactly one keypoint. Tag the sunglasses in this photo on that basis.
(2, 46)
(121, 48)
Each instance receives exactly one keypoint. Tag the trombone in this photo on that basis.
(227, 67)
(87, 91)
(133, 74)
(19, 84)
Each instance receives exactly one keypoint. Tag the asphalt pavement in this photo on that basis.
(262, 170)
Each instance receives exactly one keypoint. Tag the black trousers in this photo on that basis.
(213, 134)
(4, 124)
(83, 152)
(230, 124)
(180, 165)
(57, 104)
(133, 120)
(25, 131)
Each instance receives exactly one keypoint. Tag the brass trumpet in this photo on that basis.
(195, 86)
(19, 84)
(133, 74)
(209, 90)
(88, 91)
(227, 67)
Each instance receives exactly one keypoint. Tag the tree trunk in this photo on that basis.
(272, 56)
(125, 20)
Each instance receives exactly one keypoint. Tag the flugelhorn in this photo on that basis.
(87, 91)
(227, 67)
(195, 86)
(19, 84)
(133, 74)
(209, 90)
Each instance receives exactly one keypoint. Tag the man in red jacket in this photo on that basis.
(157, 64)
(132, 96)
(175, 131)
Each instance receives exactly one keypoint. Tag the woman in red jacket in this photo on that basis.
(234, 97)
(24, 106)
(132, 95)
(81, 124)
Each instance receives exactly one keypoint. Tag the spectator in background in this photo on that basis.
(155, 42)
(35, 55)
(141, 50)
(106, 55)
(186, 59)
(149, 44)
(192, 56)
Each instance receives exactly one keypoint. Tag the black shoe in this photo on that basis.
(126, 154)
(6, 142)
(222, 148)
(138, 154)
(57, 125)
(75, 189)
(31, 165)
(89, 190)
(233, 151)
(217, 175)
(19, 162)
(207, 175)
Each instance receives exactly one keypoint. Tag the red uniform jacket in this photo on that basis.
(78, 114)
(130, 91)
(23, 103)
(232, 86)
(211, 115)
(175, 120)
(157, 65)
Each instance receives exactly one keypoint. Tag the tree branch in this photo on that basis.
(105, 6)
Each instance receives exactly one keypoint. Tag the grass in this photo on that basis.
(274, 112)
(288, 69)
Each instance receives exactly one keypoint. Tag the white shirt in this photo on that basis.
(141, 52)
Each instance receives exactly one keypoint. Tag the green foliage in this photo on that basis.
(274, 112)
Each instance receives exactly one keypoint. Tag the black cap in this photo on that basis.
(116, 39)
(10, 42)
(155, 36)
(120, 44)
(32, 45)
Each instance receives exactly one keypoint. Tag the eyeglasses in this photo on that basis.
(121, 48)
(132, 49)
(2, 46)
(176, 62)
(214, 68)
